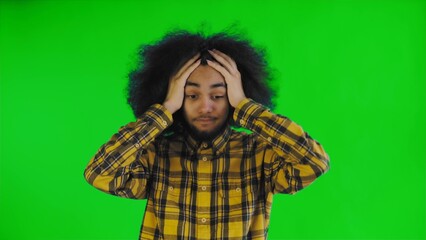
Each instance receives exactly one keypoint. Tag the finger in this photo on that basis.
(228, 59)
(188, 64)
(222, 70)
(189, 70)
(222, 61)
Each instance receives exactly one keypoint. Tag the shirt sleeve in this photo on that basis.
(120, 166)
(292, 159)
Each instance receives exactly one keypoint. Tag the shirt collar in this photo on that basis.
(217, 144)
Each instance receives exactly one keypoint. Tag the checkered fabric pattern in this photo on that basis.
(221, 189)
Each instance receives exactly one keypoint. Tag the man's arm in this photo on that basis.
(294, 160)
(120, 167)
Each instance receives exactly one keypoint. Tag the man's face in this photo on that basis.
(205, 106)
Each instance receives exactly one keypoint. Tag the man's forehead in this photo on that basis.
(205, 76)
(217, 84)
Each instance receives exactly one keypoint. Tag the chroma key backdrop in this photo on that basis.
(352, 73)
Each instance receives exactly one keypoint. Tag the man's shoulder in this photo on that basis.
(169, 137)
(247, 137)
(167, 142)
(242, 134)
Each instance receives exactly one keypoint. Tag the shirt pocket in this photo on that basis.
(237, 198)
(172, 191)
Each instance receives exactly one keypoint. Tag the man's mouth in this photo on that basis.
(205, 119)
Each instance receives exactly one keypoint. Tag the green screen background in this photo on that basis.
(351, 73)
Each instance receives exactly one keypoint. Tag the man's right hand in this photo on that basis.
(176, 89)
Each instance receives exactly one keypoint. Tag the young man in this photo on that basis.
(202, 178)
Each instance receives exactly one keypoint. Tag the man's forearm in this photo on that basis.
(304, 158)
(118, 155)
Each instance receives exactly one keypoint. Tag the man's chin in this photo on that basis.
(206, 135)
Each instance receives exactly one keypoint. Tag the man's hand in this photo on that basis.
(175, 92)
(230, 73)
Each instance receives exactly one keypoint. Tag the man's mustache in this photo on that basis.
(203, 117)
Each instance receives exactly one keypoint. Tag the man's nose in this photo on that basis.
(206, 105)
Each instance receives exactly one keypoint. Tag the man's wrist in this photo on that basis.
(159, 115)
(244, 99)
(247, 111)
(169, 107)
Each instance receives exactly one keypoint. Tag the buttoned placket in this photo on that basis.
(203, 193)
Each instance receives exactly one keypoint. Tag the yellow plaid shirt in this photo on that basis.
(200, 190)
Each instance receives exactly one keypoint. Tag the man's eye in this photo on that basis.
(191, 96)
(218, 96)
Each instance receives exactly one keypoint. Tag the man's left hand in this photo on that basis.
(228, 69)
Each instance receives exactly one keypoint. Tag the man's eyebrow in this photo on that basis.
(216, 85)
(189, 83)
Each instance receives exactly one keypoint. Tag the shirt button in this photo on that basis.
(204, 188)
(204, 159)
(171, 188)
(269, 138)
(205, 145)
(238, 189)
(164, 123)
(137, 145)
(203, 220)
(241, 121)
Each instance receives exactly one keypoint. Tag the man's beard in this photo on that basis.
(204, 135)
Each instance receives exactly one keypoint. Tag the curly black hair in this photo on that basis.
(160, 61)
